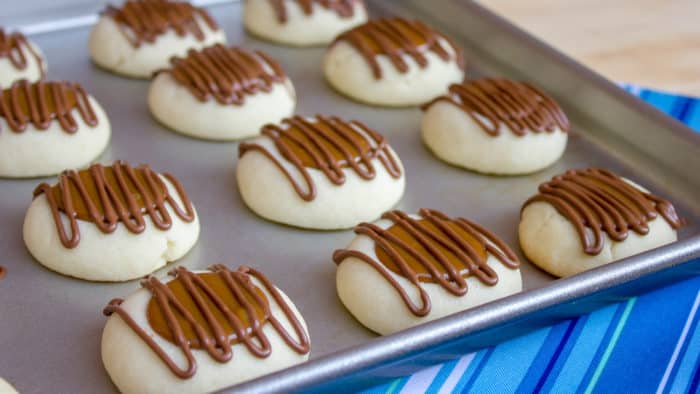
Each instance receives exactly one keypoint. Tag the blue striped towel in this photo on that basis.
(648, 344)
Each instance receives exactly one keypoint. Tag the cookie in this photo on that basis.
(141, 36)
(110, 223)
(6, 388)
(46, 127)
(200, 332)
(221, 93)
(20, 58)
(495, 126)
(586, 218)
(406, 269)
(302, 22)
(319, 173)
(393, 62)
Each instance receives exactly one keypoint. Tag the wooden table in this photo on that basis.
(652, 43)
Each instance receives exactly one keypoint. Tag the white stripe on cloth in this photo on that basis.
(679, 345)
(420, 381)
(456, 374)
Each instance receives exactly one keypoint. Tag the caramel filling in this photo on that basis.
(433, 248)
(145, 20)
(492, 103)
(597, 201)
(107, 196)
(42, 103)
(212, 311)
(423, 251)
(325, 142)
(148, 194)
(218, 301)
(226, 74)
(398, 38)
(329, 145)
(344, 8)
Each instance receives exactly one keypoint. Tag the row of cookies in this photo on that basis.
(398, 272)
(215, 92)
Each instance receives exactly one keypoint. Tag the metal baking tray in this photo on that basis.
(50, 325)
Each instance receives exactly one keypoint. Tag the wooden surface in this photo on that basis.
(653, 43)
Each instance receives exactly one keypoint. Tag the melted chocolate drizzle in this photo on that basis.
(109, 195)
(596, 200)
(434, 248)
(217, 316)
(328, 144)
(227, 74)
(397, 38)
(145, 20)
(16, 48)
(40, 103)
(518, 105)
(344, 8)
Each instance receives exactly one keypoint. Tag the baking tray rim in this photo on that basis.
(389, 348)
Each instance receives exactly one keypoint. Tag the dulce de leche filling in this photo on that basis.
(212, 311)
(41, 103)
(399, 38)
(422, 247)
(212, 292)
(327, 144)
(145, 20)
(343, 8)
(226, 74)
(432, 248)
(493, 103)
(596, 200)
(109, 195)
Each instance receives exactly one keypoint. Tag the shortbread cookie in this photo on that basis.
(302, 22)
(6, 388)
(221, 93)
(110, 223)
(141, 36)
(319, 173)
(199, 332)
(47, 127)
(406, 270)
(495, 126)
(393, 62)
(19, 59)
(587, 218)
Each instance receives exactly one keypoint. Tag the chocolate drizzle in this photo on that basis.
(492, 103)
(145, 20)
(398, 38)
(213, 311)
(15, 47)
(107, 196)
(40, 103)
(344, 8)
(327, 144)
(227, 74)
(434, 248)
(596, 200)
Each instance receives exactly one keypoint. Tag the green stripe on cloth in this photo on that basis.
(610, 346)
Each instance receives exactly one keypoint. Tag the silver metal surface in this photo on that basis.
(50, 325)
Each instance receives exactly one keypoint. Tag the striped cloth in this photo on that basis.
(648, 344)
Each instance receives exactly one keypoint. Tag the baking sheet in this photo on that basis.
(50, 325)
